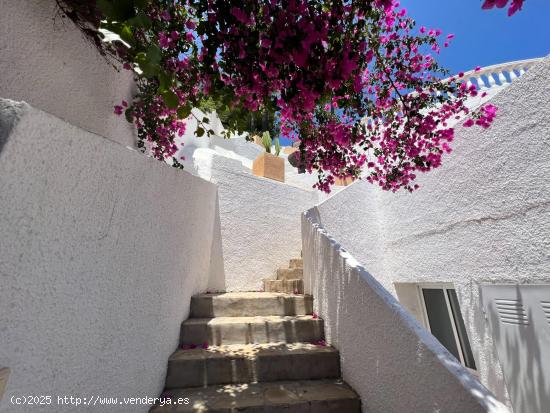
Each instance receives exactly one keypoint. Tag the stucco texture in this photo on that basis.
(260, 223)
(483, 217)
(46, 61)
(101, 250)
(386, 356)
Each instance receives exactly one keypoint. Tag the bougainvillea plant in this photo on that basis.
(355, 82)
(515, 5)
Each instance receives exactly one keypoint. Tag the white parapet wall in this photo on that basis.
(259, 220)
(393, 363)
(481, 218)
(101, 249)
(46, 61)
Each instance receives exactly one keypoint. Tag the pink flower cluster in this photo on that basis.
(354, 82)
(296, 59)
(515, 5)
(484, 117)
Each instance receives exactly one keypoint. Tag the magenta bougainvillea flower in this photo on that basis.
(515, 5)
(355, 83)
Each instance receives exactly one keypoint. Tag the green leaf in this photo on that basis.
(129, 114)
(184, 112)
(141, 4)
(205, 120)
(117, 10)
(154, 54)
(141, 20)
(126, 34)
(106, 8)
(199, 132)
(140, 58)
(123, 9)
(165, 82)
(170, 99)
(149, 69)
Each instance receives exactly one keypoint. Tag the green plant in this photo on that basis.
(277, 146)
(243, 120)
(357, 60)
(266, 141)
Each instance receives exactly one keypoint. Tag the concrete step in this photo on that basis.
(316, 396)
(296, 263)
(251, 363)
(245, 304)
(248, 330)
(284, 286)
(290, 274)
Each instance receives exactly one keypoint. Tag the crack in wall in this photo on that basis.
(467, 222)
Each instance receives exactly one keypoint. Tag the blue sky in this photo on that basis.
(485, 37)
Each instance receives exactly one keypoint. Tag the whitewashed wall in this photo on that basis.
(46, 61)
(483, 217)
(101, 249)
(386, 356)
(260, 223)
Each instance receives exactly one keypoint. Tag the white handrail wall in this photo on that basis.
(387, 357)
(101, 250)
(500, 74)
(483, 217)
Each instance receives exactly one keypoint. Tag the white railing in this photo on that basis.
(490, 79)
(493, 77)
(499, 75)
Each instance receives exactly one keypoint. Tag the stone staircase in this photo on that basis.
(255, 352)
(289, 280)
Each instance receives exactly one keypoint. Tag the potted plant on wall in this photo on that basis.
(344, 181)
(269, 165)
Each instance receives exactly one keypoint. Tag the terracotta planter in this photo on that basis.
(269, 166)
(343, 182)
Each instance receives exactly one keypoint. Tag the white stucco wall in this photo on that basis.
(46, 61)
(386, 356)
(259, 218)
(483, 217)
(101, 250)
(260, 223)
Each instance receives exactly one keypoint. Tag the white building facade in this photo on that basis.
(102, 248)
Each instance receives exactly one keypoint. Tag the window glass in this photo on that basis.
(462, 334)
(439, 318)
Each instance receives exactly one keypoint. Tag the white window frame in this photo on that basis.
(444, 287)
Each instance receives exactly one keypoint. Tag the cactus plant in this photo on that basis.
(277, 146)
(266, 141)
